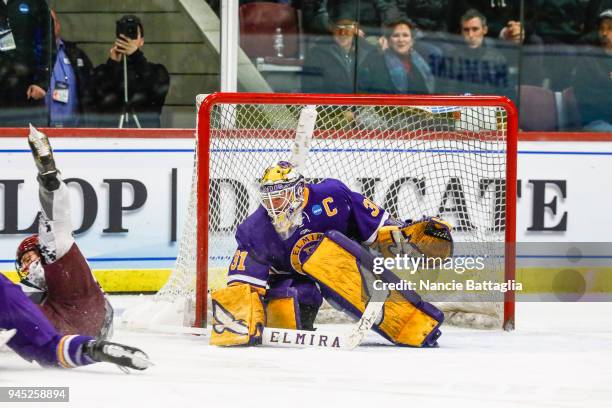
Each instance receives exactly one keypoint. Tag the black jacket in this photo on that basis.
(148, 85)
(29, 63)
(557, 21)
(328, 69)
(429, 15)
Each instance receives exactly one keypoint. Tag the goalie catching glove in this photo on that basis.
(430, 237)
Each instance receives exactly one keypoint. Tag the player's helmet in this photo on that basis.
(281, 191)
(28, 244)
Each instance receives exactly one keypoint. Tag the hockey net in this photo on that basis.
(452, 157)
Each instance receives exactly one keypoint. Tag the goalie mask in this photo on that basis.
(281, 192)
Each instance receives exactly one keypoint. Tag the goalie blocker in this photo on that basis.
(344, 271)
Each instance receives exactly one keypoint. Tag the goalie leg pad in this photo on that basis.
(408, 324)
(282, 309)
(238, 316)
(292, 303)
(344, 269)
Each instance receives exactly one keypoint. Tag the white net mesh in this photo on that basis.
(413, 161)
(182, 280)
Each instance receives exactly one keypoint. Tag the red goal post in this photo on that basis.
(467, 120)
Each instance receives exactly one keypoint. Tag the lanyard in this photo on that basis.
(61, 47)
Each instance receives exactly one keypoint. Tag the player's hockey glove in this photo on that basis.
(115, 353)
(430, 237)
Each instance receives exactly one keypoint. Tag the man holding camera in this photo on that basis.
(129, 90)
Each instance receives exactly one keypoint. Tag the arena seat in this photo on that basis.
(538, 109)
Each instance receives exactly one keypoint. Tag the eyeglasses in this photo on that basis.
(345, 29)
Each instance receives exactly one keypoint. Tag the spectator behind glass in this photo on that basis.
(148, 83)
(474, 29)
(400, 69)
(504, 17)
(25, 57)
(591, 20)
(69, 96)
(330, 64)
(592, 80)
(548, 21)
(475, 67)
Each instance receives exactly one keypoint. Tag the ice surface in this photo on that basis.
(559, 356)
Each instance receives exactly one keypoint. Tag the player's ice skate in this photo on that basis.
(42, 152)
(120, 354)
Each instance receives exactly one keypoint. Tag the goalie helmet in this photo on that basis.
(281, 190)
(28, 244)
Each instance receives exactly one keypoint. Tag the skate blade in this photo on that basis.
(138, 359)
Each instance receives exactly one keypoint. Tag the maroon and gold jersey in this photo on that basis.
(74, 304)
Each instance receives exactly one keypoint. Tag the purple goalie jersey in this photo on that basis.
(329, 205)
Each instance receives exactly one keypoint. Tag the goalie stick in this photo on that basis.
(319, 339)
(365, 323)
(291, 338)
(303, 136)
(325, 339)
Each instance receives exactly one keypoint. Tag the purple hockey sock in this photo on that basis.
(69, 351)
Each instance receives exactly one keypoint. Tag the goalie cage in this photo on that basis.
(451, 156)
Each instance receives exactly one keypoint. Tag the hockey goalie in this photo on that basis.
(306, 242)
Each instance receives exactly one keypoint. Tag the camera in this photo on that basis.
(128, 26)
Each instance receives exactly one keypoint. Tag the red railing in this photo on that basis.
(189, 133)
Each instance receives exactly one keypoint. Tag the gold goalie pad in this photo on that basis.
(343, 274)
(238, 316)
(282, 313)
(430, 237)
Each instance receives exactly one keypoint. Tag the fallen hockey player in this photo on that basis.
(53, 271)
